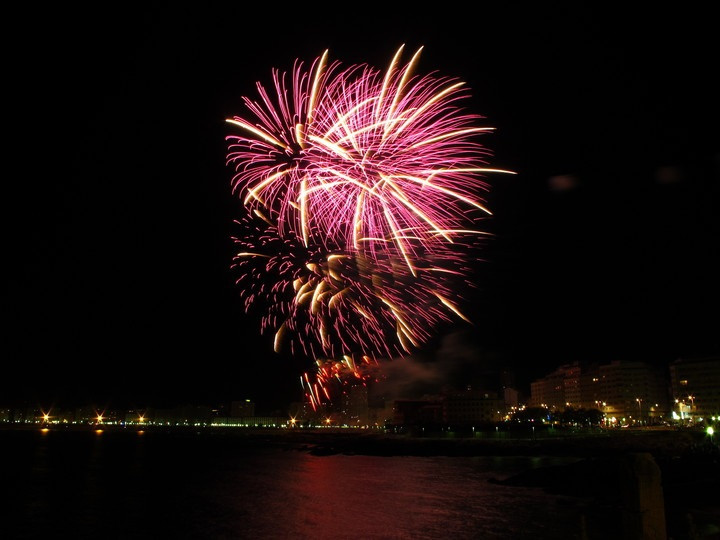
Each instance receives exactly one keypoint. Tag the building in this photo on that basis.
(381, 416)
(468, 408)
(633, 391)
(558, 390)
(87, 414)
(511, 398)
(418, 412)
(183, 415)
(695, 387)
(591, 392)
(538, 393)
(355, 406)
(571, 385)
(301, 412)
(239, 409)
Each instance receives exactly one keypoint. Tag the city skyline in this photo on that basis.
(684, 388)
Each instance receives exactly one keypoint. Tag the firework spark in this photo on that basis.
(369, 185)
(330, 304)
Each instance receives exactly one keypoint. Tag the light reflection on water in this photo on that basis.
(404, 497)
(162, 485)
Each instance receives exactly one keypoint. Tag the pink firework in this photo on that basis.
(383, 163)
(369, 184)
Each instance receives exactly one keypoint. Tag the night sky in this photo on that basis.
(118, 212)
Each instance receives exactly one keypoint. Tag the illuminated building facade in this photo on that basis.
(695, 385)
(635, 391)
(559, 389)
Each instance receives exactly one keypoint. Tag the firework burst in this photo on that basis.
(369, 185)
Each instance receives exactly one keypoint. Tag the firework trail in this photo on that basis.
(368, 185)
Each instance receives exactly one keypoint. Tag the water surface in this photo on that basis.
(200, 485)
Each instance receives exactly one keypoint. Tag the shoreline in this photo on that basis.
(329, 441)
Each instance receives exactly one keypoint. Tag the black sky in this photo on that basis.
(118, 212)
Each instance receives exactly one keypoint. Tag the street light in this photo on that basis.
(604, 404)
(639, 402)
